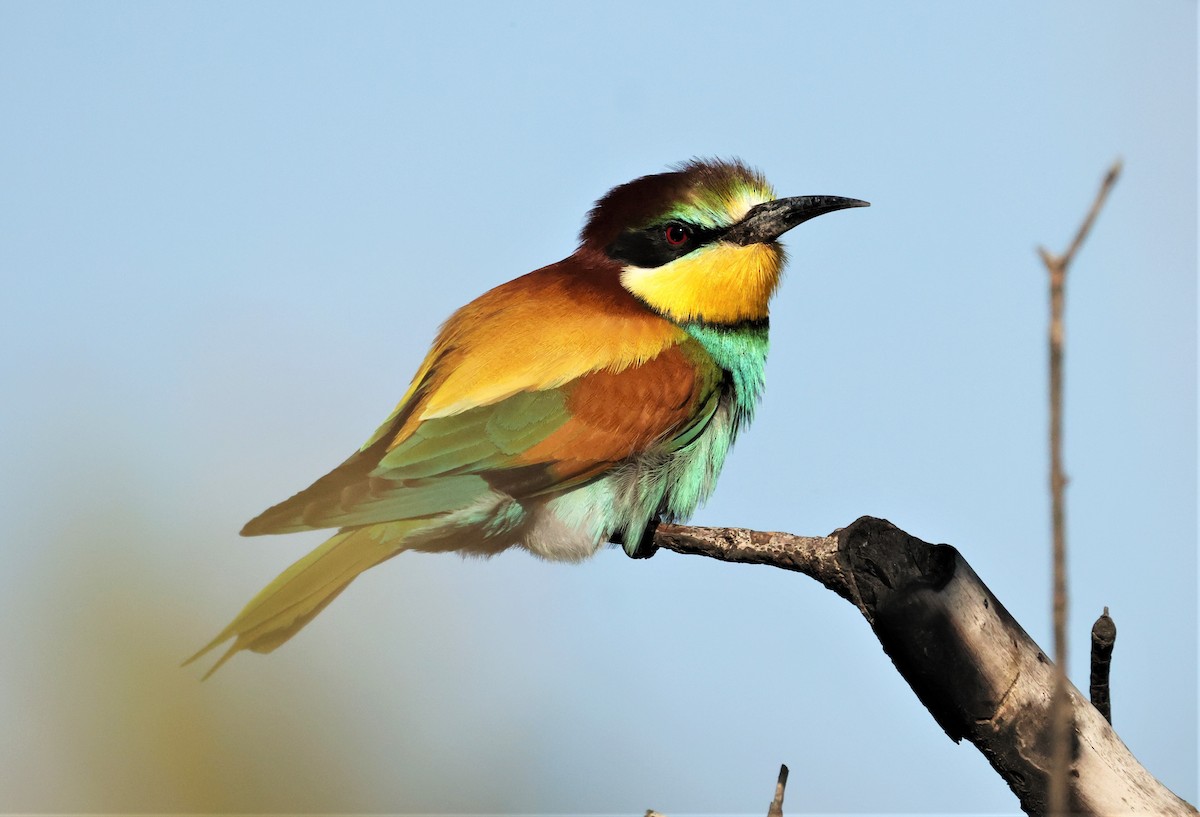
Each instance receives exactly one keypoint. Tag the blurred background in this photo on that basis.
(231, 230)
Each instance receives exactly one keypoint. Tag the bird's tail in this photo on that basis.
(285, 605)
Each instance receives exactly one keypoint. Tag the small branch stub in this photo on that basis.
(776, 808)
(1104, 637)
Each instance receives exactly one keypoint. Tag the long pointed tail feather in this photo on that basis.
(285, 605)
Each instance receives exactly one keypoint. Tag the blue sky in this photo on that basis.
(231, 231)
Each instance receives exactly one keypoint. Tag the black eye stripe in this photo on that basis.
(651, 246)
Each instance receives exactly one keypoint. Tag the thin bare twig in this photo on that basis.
(1061, 729)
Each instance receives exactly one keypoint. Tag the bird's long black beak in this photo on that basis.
(771, 219)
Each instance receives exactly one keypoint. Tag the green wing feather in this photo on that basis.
(441, 467)
(479, 439)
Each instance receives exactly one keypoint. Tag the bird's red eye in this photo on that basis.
(676, 234)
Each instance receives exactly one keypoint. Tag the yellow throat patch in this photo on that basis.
(718, 283)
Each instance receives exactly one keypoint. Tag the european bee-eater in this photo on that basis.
(576, 405)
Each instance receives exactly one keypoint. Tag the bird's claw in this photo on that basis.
(645, 547)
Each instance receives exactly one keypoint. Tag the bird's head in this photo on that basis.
(700, 243)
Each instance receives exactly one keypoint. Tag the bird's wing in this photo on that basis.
(524, 412)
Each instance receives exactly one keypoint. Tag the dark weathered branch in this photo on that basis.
(1057, 265)
(1104, 636)
(972, 665)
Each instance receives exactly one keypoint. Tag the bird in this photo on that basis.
(580, 404)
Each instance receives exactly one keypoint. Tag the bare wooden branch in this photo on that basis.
(814, 556)
(971, 664)
(1057, 266)
(1104, 637)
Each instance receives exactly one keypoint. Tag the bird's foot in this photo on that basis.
(644, 548)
